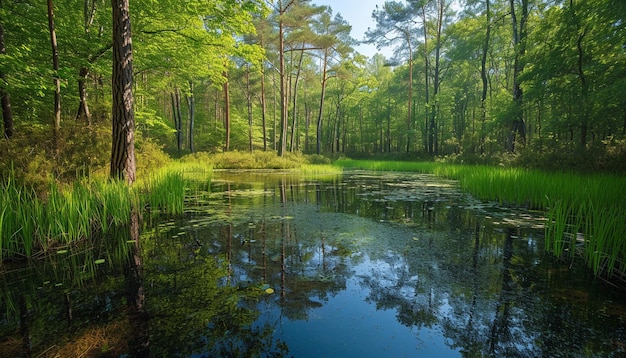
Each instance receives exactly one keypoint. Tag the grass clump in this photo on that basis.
(30, 223)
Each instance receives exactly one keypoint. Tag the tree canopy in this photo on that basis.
(534, 81)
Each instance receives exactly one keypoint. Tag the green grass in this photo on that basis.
(585, 214)
(39, 221)
(32, 223)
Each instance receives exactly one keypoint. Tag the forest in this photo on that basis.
(500, 126)
(533, 83)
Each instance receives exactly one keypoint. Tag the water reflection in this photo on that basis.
(363, 265)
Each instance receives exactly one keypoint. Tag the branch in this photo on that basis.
(179, 33)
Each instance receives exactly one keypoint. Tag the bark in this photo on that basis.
(5, 99)
(294, 123)
(410, 95)
(177, 117)
(483, 77)
(263, 109)
(321, 110)
(89, 12)
(83, 107)
(428, 137)
(436, 80)
(226, 114)
(517, 131)
(283, 92)
(249, 107)
(282, 148)
(192, 116)
(123, 117)
(57, 80)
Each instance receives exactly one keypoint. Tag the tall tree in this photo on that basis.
(483, 76)
(395, 25)
(191, 104)
(441, 7)
(282, 9)
(92, 46)
(334, 38)
(517, 131)
(177, 118)
(123, 165)
(5, 99)
(57, 80)
(225, 88)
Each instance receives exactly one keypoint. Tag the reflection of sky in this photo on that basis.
(409, 266)
(350, 325)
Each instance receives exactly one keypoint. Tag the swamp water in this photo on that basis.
(362, 265)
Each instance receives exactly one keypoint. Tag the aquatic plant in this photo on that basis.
(584, 213)
(33, 223)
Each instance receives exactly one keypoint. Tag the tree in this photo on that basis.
(5, 99)
(333, 41)
(192, 115)
(395, 24)
(57, 80)
(123, 117)
(518, 126)
(226, 90)
(282, 9)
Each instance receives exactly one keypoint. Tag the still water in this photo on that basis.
(271, 265)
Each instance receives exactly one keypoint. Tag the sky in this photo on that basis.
(357, 13)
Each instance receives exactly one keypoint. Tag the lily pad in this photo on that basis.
(269, 291)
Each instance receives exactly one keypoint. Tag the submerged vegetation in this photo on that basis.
(585, 213)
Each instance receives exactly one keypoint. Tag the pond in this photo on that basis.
(360, 265)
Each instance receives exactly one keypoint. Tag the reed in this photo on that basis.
(166, 190)
(32, 223)
(584, 213)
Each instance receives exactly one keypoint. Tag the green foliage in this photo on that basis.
(256, 160)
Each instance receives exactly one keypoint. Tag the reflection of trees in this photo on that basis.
(199, 289)
(47, 302)
(138, 342)
(195, 302)
(459, 273)
(395, 287)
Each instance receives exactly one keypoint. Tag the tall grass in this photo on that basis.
(166, 190)
(585, 214)
(36, 224)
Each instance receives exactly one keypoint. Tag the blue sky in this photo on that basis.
(357, 13)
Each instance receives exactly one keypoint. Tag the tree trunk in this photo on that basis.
(5, 99)
(57, 80)
(436, 81)
(483, 77)
(177, 117)
(321, 111)
(294, 122)
(83, 107)
(249, 103)
(410, 95)
(226, 114)
(123, 117)
(282, 148)
(518, 127)
(427, 128)
(192, 116)
(263, 108)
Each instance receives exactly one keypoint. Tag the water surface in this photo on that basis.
(363, 265)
